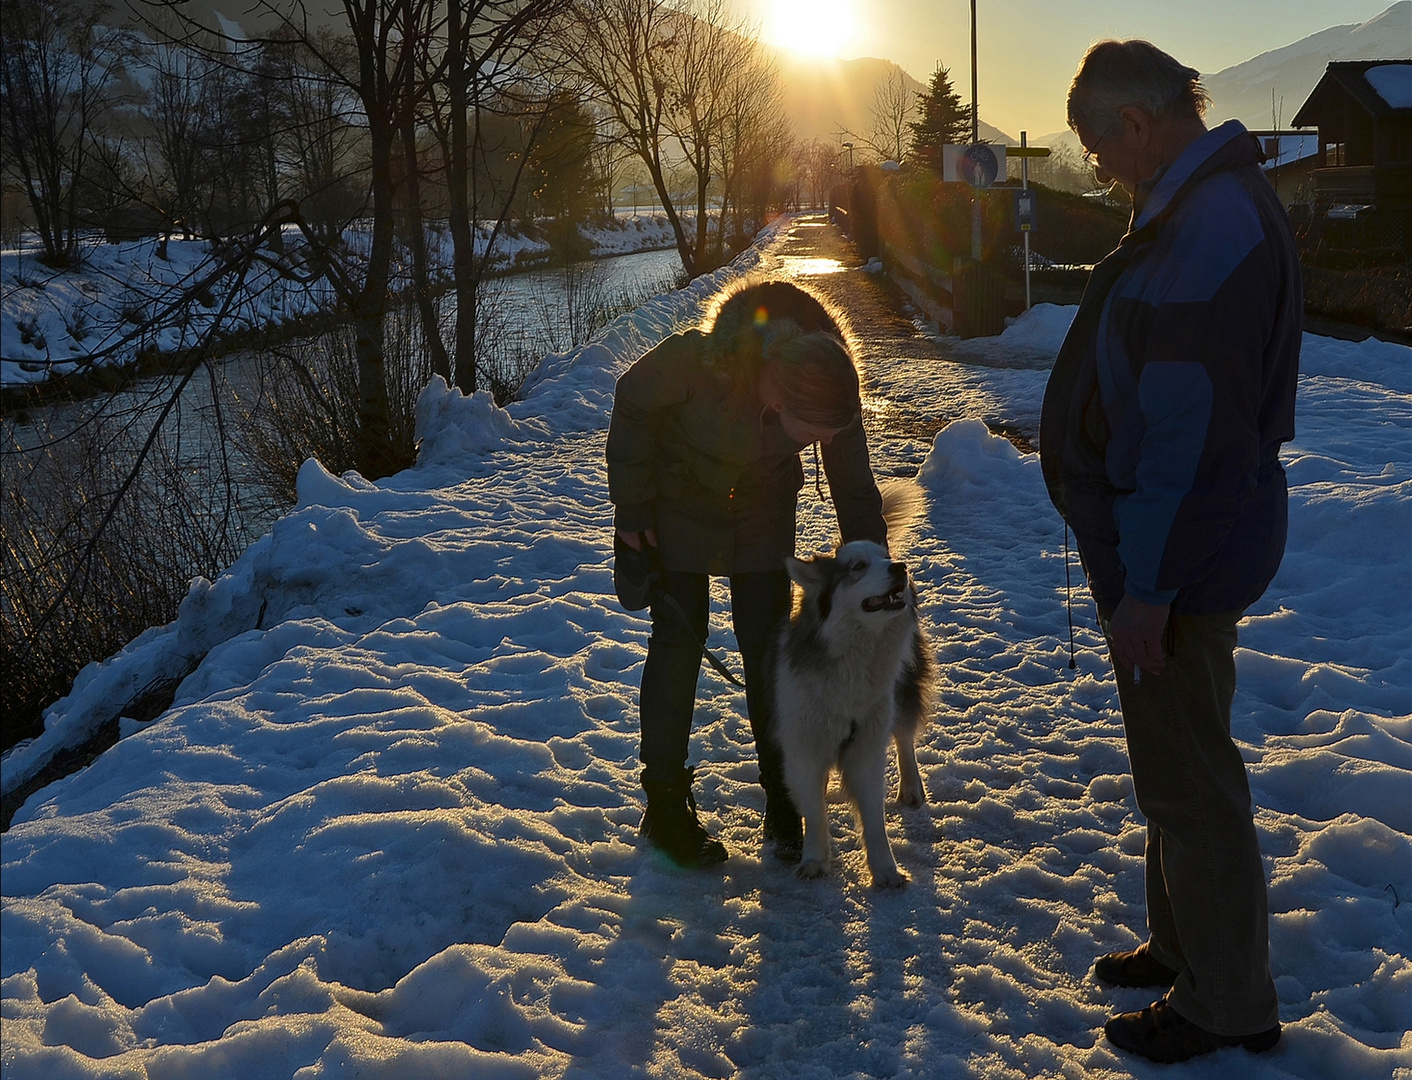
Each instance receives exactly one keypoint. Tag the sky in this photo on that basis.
(388, 827)
(1028, 49)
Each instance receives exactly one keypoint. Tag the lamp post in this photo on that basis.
(849, 147)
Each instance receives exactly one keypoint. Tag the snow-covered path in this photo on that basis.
(388, 827)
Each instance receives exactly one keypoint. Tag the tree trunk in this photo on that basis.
(374, 432)
(374, 446)
(703, 232)
(654, 169)
(416, 237)
(463, 253)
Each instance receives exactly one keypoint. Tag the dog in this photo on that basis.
(853, 670)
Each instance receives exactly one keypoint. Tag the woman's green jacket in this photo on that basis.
(693, 455)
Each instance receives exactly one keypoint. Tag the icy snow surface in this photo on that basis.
(388, 827)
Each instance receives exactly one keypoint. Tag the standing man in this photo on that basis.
(1159, 437)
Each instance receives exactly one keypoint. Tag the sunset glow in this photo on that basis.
(816, 27)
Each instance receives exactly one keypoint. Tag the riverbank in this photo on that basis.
(60, 326)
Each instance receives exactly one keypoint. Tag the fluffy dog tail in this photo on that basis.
(904, 502)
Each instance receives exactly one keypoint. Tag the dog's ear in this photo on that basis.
(806, 573)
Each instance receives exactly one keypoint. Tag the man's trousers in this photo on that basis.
(1206, 900)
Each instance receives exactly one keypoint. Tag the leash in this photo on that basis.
(1069, 596)
(721, 668)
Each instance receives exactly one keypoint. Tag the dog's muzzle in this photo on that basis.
(894, 600)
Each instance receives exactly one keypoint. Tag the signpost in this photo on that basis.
(1025, 202)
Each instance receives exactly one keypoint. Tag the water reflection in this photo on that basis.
(798, 266)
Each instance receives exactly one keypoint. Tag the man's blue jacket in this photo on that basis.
(1174, 389)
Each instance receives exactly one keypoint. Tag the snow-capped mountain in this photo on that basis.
(1243, 91)
(1290, 73)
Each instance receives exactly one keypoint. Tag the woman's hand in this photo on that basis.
(634, 539)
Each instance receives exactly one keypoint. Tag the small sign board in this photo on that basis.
(1025, 210)
(980, 164)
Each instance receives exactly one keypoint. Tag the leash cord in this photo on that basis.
(721, 668)
(1069, 597)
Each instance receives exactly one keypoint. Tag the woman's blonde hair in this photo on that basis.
(778, 329)
(817, 381)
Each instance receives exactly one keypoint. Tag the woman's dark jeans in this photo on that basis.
(759, 603)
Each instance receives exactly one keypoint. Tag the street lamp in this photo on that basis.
(849, 147)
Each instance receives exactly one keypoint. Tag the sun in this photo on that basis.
(816, 27)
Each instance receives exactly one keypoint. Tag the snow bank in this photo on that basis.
(388, 827)
(1042, 327)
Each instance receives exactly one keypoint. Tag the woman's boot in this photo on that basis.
(670, 823)
(783, 829)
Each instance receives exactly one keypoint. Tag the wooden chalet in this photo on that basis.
(1362, 186)
(1363, 110)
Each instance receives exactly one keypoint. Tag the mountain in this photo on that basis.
(1243, 91)
(825, 97)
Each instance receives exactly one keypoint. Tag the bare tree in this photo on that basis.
(678, 86)
(487, 47)
(608, 166)
(695, 62)
(894, 104)
(620, 52)
(318, 138)
(177, 111)
(816, 162)
(56, 68)
(755, 140)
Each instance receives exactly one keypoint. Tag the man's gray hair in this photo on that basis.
(1113, 74)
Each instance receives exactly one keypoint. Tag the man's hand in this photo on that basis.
(634, 539)
(1137, 629)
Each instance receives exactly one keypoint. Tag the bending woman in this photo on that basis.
(703, 465)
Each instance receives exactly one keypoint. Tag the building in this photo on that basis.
(1362, 186)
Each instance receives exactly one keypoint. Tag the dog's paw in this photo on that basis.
(812, 868)
(890, 879)
(908, 795)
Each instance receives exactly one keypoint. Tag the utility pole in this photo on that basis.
(1025, 186)
(975, 138)
(975, 116)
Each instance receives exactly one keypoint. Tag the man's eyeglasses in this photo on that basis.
(1091, 152)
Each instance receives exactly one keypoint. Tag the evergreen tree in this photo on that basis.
(943, 119)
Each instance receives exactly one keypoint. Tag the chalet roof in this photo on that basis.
(1352, 77)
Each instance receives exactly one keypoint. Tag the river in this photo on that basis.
(527, 315)
(64, 460)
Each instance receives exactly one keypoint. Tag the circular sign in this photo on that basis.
(979, 165)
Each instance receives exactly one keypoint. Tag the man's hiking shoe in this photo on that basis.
(784, 832)
(1136, 968)
(1160, 1033)
(670, 824)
